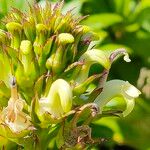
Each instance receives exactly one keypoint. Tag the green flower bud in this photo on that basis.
(41, 36)
(115, 88)
(12, 27)
(85, 29)
(16, 30)
(49, 62)
(3, 37)
(26, 51)
(59, 60)
(82, 29)
(43, 58)
(29, 29)
(26, 47)
(65, 38)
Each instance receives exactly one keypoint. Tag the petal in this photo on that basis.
(64, 91)
(96, 56)
(21, 123)
(59, 99)
(115, 88)
(130, 90)
(129, 107)
(89, 58)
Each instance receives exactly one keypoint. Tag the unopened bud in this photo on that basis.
(65, 38)
(25, 47)
(15, 29)
(41, 36)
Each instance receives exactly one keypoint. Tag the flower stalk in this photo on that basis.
(53, 97)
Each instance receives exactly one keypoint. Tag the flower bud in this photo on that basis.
(29, 30)
(49, 62)
(26, 47)
(3, 37)
(15, 29)
(114, 88)
(65, 38)
(59, 60)
(26, 51)
(41, 36)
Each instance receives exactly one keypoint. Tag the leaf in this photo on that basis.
(114, 46)
(5, 70)
(60, 138)
(100, 21)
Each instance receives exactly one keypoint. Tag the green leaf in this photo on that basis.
(113, 46)
(60, 138)
(102, 20)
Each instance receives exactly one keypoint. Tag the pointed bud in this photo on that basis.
(65, 38)
(43, 58)
(49, 62)
(15, 29)
(3, 37)
(26, 51)
(29, 30)
(41, 36)
(60, 55)
(26, 47)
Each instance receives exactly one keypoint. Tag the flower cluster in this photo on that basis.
(45, 54)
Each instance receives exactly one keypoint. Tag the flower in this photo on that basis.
(116, 88)
(89, 58)
(59, 99)
(13, 116)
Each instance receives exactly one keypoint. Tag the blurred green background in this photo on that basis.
(119, 24)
